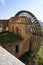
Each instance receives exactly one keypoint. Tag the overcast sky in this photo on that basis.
(9, 8)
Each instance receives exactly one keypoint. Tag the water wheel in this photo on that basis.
(36, 30)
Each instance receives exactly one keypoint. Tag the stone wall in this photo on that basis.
(4, 24)
(23, 47)
(22, 23)
(20, 26)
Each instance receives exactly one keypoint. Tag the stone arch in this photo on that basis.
(17, 31)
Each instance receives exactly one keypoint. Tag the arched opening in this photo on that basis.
(13, 28)
(17, 31)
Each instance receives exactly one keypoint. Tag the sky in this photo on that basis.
(9, 8)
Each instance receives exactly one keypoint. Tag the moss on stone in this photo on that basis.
(9, 37)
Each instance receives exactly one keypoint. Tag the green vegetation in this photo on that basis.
(40, 54)
(26, 58)
(9, 37)
(38, 58)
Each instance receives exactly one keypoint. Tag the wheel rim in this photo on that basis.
(36, 30)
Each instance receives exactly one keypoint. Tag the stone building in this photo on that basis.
(20, 26)
(28, 28)
(3, 25)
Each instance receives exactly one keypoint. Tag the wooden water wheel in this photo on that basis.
(36, 30)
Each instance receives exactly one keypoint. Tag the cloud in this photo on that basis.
(41, 1)
(3, 2)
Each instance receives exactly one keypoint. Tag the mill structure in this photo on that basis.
(35, 29)
(25, 24)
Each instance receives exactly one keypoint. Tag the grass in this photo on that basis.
(26, 58)
(9, 37)
(40, 52)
